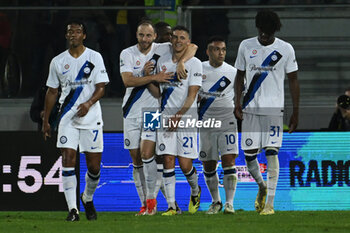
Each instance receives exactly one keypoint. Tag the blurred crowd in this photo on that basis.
(30, 39)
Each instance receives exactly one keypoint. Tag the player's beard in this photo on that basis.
(144, 46)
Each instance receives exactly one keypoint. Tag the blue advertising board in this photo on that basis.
(314, 175)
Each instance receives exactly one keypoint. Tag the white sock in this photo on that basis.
(69, 181)
(140, 183)
(90, 185)
(212, 181)
(192, 179)
(150, 170)
(169, 183)
(254, 169)
(272, 177)
(159, 182)
(230, 183)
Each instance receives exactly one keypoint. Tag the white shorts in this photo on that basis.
(179, 143)
(88, 140)
(134, 133)
(260, 131)
(214, 143)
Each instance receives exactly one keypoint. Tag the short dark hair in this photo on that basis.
(146, 22)
(268, 21)
(161, 25)
(77, 22)
(215, 38)
(182, 28)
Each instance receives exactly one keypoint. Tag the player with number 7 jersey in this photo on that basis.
(81, 74)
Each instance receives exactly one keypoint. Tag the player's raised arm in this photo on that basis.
(238, 87)
(295, 93)
(50, 100)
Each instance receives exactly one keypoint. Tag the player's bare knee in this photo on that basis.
(68, 157)
(228, 160)
(209, 166)
(146, 154)
(135, 157)
(169, 162)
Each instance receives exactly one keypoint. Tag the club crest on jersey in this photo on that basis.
(88, 69)
(138, 62)
(162, 147)
(254, 52)
(202, 154)
(66, 66)
(63, 139)
(204, 76)
(249, 142)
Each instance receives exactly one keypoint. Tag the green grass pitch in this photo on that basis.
(241, 222)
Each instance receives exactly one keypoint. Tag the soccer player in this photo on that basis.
(81, 75)
(217, 103)
(163, 31)
(136, 66)
(263, 62)
(178, 101)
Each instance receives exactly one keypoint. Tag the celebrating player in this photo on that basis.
(264, 61)
(82, 76)
(136, 65)
(217, 103)
(179, 99)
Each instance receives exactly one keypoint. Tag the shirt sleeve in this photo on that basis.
(126, 63)
(291, 64)
(163, 48)
(195, 77)
(52, 80)
(240, 60)
(101, 76)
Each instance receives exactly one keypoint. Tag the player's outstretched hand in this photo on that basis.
(181, 71)
(163, 77)
(83, 109)
(46, 130)
(293, 122)
(148, 68)
(238, 112)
